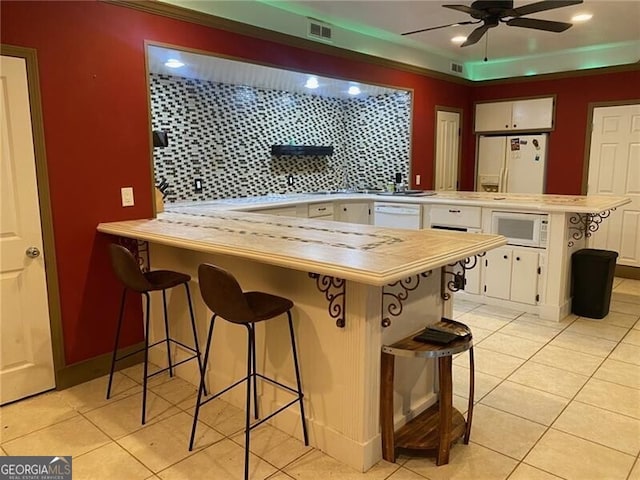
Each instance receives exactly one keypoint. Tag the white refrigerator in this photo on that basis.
(511, 164)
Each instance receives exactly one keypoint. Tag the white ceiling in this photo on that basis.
(612, 37)
(222, 70)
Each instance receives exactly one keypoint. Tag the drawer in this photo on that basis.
(456, 216)
(321, 210)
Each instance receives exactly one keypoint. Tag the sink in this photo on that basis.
(409, 193)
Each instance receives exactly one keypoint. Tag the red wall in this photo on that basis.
(94, 99)
(566, 149)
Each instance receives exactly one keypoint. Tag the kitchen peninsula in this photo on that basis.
(369, 286)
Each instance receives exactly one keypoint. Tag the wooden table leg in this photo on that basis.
(445, 409)
(386, 407)
(467, 433)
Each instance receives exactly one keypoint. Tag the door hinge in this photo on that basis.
(537, 298)
(485, 288)
(486, 263)
(539, 270)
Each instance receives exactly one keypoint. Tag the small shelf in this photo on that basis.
(422, 433)
(310, 150)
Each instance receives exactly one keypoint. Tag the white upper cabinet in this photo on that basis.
(518, 115)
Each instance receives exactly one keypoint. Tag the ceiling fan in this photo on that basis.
(492, 12)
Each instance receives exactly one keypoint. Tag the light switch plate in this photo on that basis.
(417, 179)
(127, 196)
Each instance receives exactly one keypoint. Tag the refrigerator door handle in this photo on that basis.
(505, 180)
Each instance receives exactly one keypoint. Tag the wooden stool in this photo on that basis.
(225, 298)
(435, 429)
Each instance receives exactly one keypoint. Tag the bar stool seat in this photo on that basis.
(128, 272)
(223, 295)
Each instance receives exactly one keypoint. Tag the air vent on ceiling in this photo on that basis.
(456, 67)
(319, 30)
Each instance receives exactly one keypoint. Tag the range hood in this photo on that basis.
(312, 150)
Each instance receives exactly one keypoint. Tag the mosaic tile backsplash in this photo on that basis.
(222, 134)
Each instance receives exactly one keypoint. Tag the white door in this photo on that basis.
(525, 167)
(491, 164)
(497, 273)
(614, 169)
(26, 359)
(447, 150)
(524, 275)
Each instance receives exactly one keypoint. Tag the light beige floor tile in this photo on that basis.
(221, 461)
(584, 343)
(526, 402)
(316, 465)
(461, 306)
(483, 383)
(601, 426)
(404, 474)
(466, 462)
(622, 319)
(635, 472)
(461, 404)
(611, 396)
(570, 360)
(619, 372)
(529, 330)
(626, 352)
(123, 417)
(135, 373)
(496, 311)
(630, 286)
(490, 362)
(273, 445)
(574, 458)
(549, 379)
(595, 328)
(109, 462)
(503, 432)
(32, 414)
(554, 324)
(224, 417)
(176, 390)
(633, 337)
(280, 476)
(622, 307)
(166, 442)
(527, 472)
(510, 345)
(93, 394)
(484, 321)
(623, 296)
(2, 453)
(71, 437)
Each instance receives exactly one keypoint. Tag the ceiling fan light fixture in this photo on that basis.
(173, 63)
(582, 17)
(459, 39)
(312, 83)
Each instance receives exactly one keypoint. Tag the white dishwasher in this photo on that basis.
(397, 215)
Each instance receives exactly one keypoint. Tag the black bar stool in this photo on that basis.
(126, 269)
(225, 298)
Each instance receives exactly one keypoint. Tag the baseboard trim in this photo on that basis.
(95, 367)
(625, 271)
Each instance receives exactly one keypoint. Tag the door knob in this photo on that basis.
(32, 252)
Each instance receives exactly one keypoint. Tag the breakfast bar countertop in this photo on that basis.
(363, 253)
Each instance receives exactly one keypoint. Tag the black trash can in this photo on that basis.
(592, 274)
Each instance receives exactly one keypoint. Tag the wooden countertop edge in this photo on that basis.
(358, 275)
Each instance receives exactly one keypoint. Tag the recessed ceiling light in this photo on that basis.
(173, 63)
(459, 39)
(582, 17)
(353, 90)
(312, 82)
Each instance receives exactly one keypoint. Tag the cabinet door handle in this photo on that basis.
(515, 126)
(505, 257)
(518, 258)
(506, 126)
(454, 211)
(322, 209)
(344, 209)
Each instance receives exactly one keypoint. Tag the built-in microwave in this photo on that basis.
(526, 229)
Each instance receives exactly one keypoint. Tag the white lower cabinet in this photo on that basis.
(513, 273)
(354, 212)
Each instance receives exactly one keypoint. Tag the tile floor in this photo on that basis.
(553, 400)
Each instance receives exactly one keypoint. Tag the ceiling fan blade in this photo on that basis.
(536, 24)
(471, 11)
(541, 7)
(440, 26)
(476, 35)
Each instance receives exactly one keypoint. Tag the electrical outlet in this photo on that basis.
(126, 193)
(417, 179)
